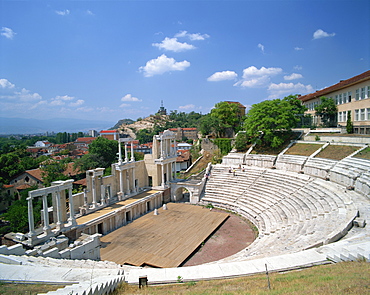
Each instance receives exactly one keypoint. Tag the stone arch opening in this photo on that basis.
(182, 194)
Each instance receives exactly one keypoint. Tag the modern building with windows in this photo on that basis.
(351, 95)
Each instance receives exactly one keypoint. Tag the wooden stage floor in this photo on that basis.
(115, 206)
(163, 240)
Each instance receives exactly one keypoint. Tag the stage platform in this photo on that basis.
(163, 240)
(115, 206)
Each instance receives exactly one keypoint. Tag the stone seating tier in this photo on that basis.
(318, 167)
(292, 211)
(362, 184)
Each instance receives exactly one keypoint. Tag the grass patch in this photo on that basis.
(337, 152)
(10, 288)
(364, 154)
(340, 278)
(303, 149)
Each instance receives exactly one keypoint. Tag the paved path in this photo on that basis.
(228, 270)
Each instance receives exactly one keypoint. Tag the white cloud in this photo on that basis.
(171, 44)
(192, 37)
(62, 12)
(64, 97)
(89, 12)
(260, 46)
(221, 76)
(41, 102)
(297, 67)
(78, 103)
(277, 90)
(129, 97)
(61, 100)
(187, 107)
(124, 105)
(57, 103)
(4, 83)
(26, 95)
(7, 33)
(253, 77)
(298, 48)
(253, 71)
(293, 76)
(163, 64)
(322, 34)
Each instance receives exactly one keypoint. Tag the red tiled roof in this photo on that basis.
(8, 185)
(87, 140)
(82, 182)
(108, 131)
(70, 170)
(36, 173)
(183, 155)
(335, 87)
(23, 186)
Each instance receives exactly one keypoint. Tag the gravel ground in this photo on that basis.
(234, 235)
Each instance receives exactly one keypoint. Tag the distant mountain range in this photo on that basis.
(32, 126)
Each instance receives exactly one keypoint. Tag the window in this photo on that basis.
(345, 97)
(368, 91)
(349, 96)
(368, 114)
(362, 114)
(357, 94)
(357, 112)
(340, 99)
(345, 116)
(336, 99)
(363, 93)
(340, 117)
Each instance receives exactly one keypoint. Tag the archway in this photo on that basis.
(182, 194)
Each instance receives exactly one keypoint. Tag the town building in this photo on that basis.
(185, 133)
(110, 134)
(183, 160)
(350, 95)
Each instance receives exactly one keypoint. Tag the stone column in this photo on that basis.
(162, 154)
(121, 182)
(128, 183)
(71, 218)
(59, 213)
(102, 194)
(126, 156)
(133, 180)
(119, 153)
(46, 227)
(132, 152)
(93, 192)
(31, 222)
(162, 175)
(168, 173)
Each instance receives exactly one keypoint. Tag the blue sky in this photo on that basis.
(110, 60)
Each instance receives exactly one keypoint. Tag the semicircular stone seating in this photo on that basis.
(292, 211)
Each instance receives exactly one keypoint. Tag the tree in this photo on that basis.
(210, 124)
(241, 141)
(349, 126)
(228, 114)
(273, 118)
(102, 153)
(53, 171)
(327, 110)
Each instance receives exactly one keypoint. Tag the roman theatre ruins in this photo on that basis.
(130, 226)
